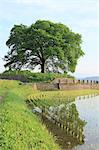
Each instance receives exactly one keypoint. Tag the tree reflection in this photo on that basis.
(67, 117)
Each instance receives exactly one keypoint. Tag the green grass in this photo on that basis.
(49, 98)
(20, 129)
(32, 77)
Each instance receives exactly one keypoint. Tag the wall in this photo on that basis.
(46, 86)
(65, 86)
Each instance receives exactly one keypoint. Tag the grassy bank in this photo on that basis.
(28, 76)
(20, 129)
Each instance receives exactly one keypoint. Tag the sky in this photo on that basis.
(82, 16)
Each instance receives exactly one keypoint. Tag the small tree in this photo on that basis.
(52, 46)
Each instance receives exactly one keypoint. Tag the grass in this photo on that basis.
(20, 129)
(28, 76)
(49, 98)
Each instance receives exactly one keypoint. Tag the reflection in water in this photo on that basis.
(89, 110)
(64, 122)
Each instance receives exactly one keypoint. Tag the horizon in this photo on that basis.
(80, 16)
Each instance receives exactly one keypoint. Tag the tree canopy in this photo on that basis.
(51, 46)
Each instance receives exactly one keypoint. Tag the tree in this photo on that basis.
(52, 46)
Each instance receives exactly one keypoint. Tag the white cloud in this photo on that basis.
(88, 23)
(29, 2)
(64, 5)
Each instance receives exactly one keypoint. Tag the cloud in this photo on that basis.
(58, 5)
(29, 2)
(88, 23)
(66, 11)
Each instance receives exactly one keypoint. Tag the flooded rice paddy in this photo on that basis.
(75, 126)
(89, 111)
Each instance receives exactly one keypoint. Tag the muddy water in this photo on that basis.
(88, 109)
(64, 140)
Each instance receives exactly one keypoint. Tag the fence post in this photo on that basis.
(78, 81)
(94, 81)
(91, 81)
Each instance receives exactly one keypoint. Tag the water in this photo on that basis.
(89, 111)
(83, 109)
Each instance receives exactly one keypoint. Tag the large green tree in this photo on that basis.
(51, 46)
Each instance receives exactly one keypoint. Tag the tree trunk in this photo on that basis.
(43, 67)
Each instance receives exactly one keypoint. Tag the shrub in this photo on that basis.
(28, 76)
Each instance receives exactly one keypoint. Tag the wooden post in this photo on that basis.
(91, 81)
(78, 81)
(87, 81)
(58, 84)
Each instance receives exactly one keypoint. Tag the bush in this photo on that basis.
(28, 76)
